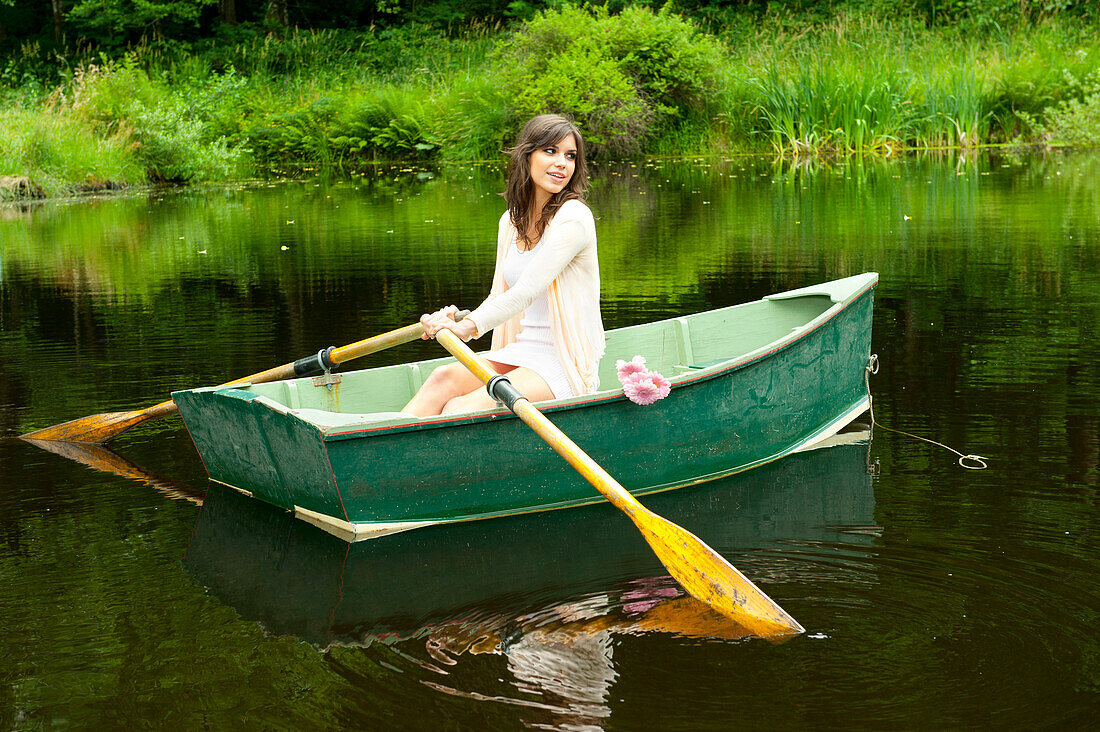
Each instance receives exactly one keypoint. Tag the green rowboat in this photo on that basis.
(750, 384)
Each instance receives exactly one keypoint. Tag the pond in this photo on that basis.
(933, 596)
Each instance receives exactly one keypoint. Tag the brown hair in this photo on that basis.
(541, 131)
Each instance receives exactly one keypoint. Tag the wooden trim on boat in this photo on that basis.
(352, 532)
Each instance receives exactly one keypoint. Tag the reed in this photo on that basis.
(827, 108)
(63, 154)
(858, 84)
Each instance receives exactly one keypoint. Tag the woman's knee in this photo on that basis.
(475, 401)
(446, 376)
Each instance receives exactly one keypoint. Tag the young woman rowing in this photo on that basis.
(544, 306)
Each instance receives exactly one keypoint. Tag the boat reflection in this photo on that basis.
(462, 586)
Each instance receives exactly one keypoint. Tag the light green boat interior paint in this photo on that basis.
(671, 347)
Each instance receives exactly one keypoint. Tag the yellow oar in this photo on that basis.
(101, 428)
(704, 573)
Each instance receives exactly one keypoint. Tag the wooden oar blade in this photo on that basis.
(96, 428)
(708, 577)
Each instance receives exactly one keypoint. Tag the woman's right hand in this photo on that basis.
(445, 318)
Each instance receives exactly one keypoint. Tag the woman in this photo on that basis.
(544, 306)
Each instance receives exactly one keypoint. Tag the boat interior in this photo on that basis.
(674, 347)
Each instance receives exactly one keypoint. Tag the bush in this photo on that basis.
(625, 78)
(167, 131)
(1076, 121)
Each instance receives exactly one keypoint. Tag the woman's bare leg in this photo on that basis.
(443, 385)
(529, 383)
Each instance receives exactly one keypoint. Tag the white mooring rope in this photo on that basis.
(970, 462)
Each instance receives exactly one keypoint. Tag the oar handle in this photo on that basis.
(332, 357)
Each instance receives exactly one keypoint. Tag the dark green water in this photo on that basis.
(933, 597)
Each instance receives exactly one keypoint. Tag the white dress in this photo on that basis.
(534, 345)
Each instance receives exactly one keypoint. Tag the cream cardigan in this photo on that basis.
(565, 266)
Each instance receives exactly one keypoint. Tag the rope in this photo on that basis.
(970, 462)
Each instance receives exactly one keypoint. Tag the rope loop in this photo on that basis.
(977, 459)
(970, 462)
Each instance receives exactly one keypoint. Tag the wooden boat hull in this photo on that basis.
(361, 479)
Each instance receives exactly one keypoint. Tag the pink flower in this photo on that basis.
(646, 387)
(664, 386)
(633, 366)
(641, 385)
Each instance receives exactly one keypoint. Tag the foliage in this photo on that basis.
(113, 22)
(621, 76)
(169, 133)
(1077, 120)
(637, 81)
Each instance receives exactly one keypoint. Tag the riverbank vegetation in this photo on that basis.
(127, 103)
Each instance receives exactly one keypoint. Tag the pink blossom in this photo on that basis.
(641, 391)
(633, 366)
(646, 387)
(664, 386)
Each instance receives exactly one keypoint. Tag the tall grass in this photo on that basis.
(62, 153)
(858, 84)
(825, 108)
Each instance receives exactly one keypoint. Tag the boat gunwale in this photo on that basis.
(330, 434)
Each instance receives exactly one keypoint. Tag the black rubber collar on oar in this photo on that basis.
(317, 364)
(501, 389)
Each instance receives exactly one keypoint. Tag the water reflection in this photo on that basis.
(548, 592)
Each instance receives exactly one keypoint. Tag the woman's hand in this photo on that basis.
(445, 318)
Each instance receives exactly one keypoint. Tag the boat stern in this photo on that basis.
(252, 443)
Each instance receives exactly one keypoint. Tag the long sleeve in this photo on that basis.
(570, 233)
(566, 267)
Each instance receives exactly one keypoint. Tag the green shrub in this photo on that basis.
(625, 78)
(1076, 121)
(166, 130)
(674, 65)
(592, 88)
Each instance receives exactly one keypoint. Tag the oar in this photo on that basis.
(101, 428)
(703, 572)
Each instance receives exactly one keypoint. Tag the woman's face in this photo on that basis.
(552, 167)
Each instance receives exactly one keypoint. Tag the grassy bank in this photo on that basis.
(639, 82)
